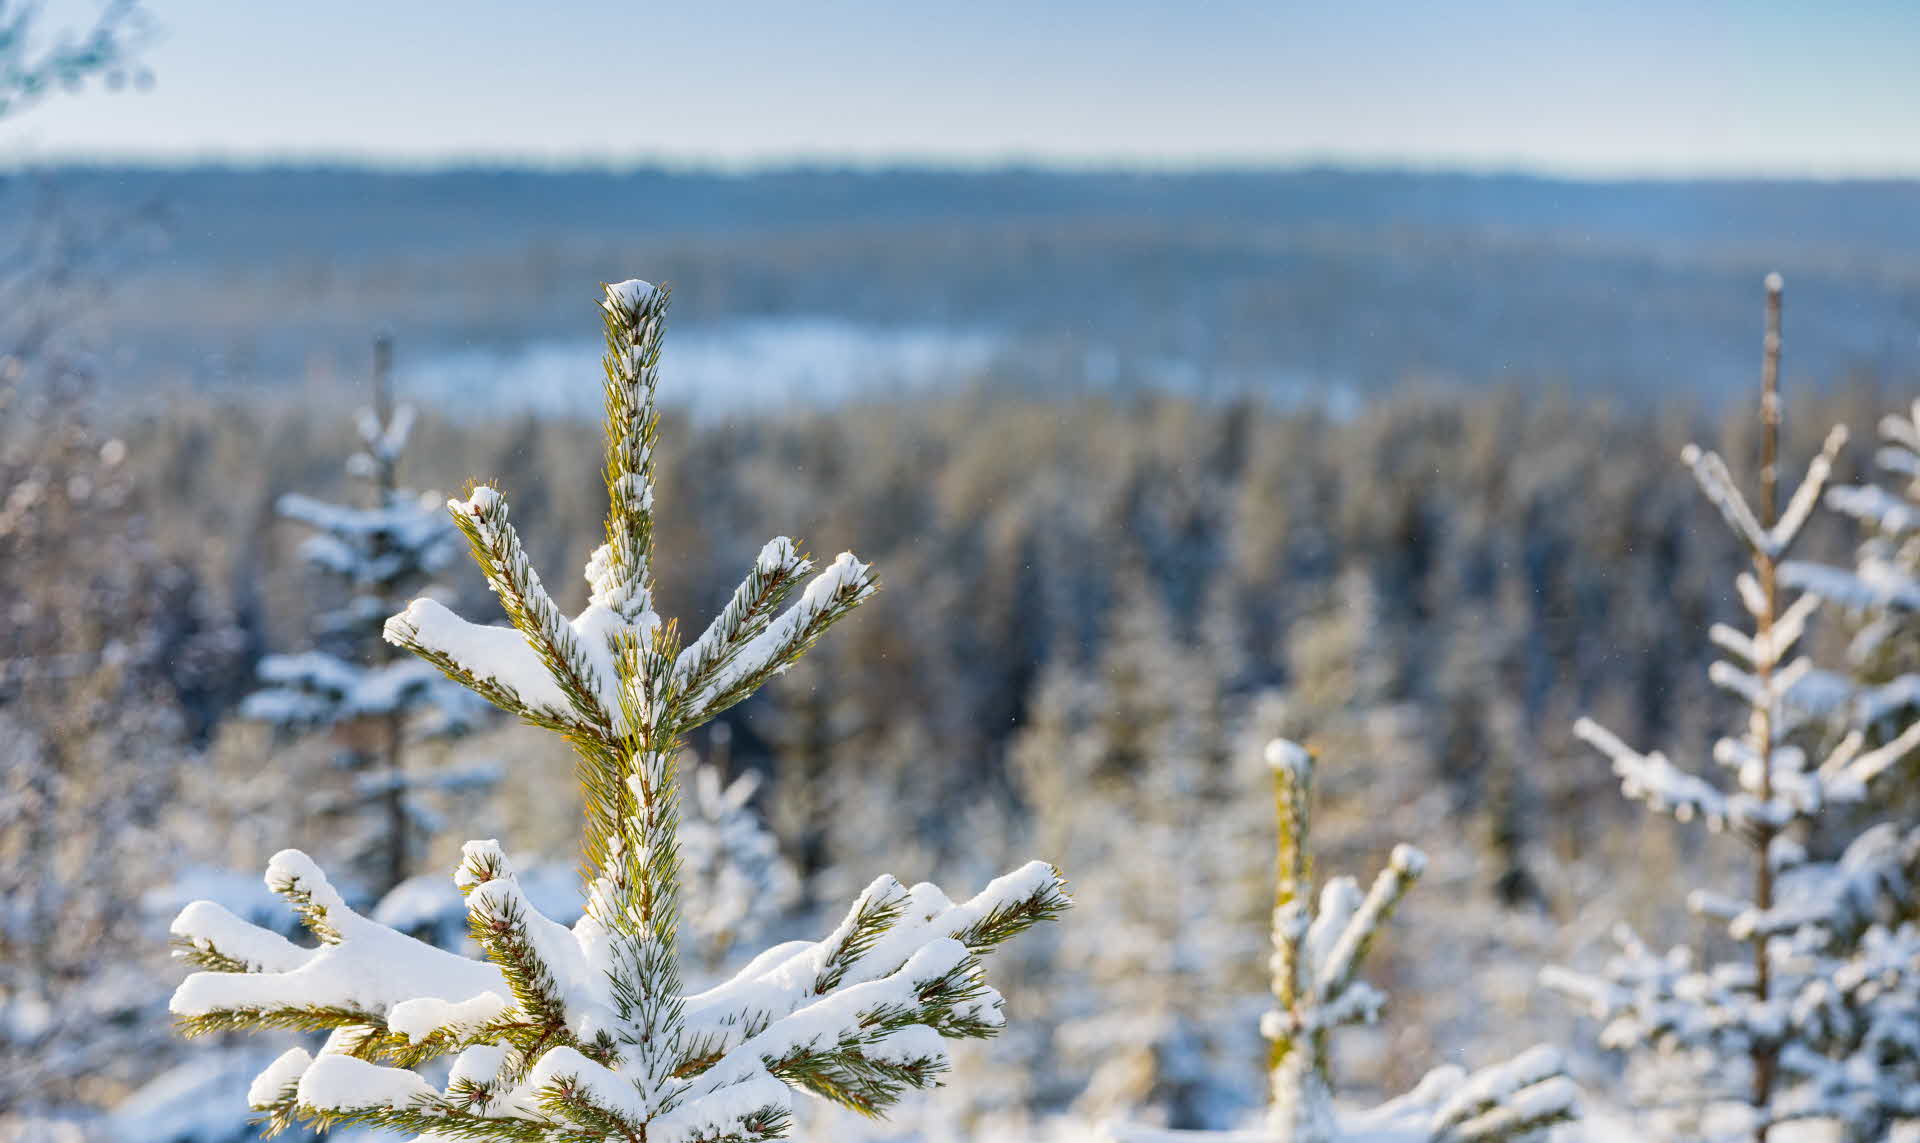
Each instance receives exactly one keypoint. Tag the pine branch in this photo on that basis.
(585, 1032)
(496, 547)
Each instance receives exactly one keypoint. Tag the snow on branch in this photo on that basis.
(584, 1033)
(1517, 1100)
(1650, 778)
(1875, 507)
(316, 689)
(857, 1018)
(375, 547)
(1710, 471)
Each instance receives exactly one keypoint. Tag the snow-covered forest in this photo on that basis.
(1313, 728)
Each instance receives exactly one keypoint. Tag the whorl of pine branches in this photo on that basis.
(584, 1033)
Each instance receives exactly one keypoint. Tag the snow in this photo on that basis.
(724, 636)
(498, 655)
(373, 545)
(1290, 758)
(343, 1083)
(313, 688)
(600, 1084)
(843, 583)
(734, 881)
(1656, 781)
(1876, 507)
(211, 925)
(1870, 584)
(579, 983)
(631, 294)
(242, 893)
(421, 990)
(420, 1018)
(371, 969)
(284, 1072)
(1710, 471)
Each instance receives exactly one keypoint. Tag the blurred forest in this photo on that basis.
(1095, 608)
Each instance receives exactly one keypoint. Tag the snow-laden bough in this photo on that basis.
(583, 1032)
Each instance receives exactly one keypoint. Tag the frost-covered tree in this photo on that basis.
(1815, 1017)
(586, 1033)
(1880, 593)
(352, 684)
(1318, 947)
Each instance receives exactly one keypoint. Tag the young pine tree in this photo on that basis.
(585, 1033)
(350, 683)
(1814, 1017)
(1318, 947)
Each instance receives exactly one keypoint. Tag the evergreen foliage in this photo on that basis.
(1815, 1018)
(586, 1033)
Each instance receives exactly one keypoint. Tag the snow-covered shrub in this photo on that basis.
(1318, 947)
(1815, 1018)
(585, 1033)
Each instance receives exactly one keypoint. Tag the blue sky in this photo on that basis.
(1631, 86)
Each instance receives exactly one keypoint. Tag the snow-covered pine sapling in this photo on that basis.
(1317, 954)
(585, 1033)
(1318, 948)
(352, 683)
(1814, 1019)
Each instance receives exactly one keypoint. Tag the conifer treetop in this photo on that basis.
(1807, 1022)
(380, 552)
(1319, 944)
(584, 1033)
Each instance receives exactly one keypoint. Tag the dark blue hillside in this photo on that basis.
(1296, 280)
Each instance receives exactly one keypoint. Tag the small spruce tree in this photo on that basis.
(1814, 1018)
(1318, 947)
(585, 1033)
(352, 684)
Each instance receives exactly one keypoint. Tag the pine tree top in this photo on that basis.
(584, 1032)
